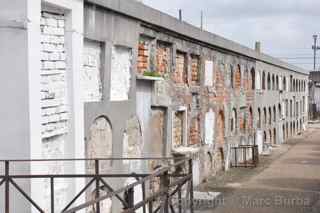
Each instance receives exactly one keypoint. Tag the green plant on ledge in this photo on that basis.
(152, 74)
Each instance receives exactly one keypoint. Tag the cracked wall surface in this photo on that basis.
(120, 73)
(91, 73)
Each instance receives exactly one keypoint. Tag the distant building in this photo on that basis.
(314, 95)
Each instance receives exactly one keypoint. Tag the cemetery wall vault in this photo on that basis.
(116, 78)
(189, 96)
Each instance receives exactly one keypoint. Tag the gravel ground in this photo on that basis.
(288, 181)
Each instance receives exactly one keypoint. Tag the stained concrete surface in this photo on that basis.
(288, 181)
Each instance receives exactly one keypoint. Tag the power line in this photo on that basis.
(296, 58)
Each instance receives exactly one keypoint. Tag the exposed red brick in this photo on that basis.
(178, 129)
(195, 70)
(180, 74)
(237, 80)
(163, 59)
(195, 131)
(143, 57)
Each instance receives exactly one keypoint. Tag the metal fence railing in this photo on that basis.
(172, 189)
(245, 156)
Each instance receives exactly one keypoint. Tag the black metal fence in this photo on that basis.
(174, 192)
(245, 156)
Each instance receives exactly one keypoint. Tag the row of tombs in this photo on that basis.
(183, 98)
(157, 96)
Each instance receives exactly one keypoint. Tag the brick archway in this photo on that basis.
(237, 80)
(99, 145)
(220, 128)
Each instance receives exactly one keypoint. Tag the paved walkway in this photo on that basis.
(289, 184)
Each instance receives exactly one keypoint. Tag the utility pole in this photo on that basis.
(315, 48)
(180, 15)
(201, 25)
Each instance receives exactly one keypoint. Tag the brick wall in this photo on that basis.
(54, 110)
(195, 70)
(220, 130)
(90, 75)
(195, 131)
(237, 80)
(180, 74)
(178, 129)
(53, 76)
(143, 56)
(163, 58)
(219, 80)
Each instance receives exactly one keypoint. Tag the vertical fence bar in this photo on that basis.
(191, 185)
(96, 163)
(179, 200)
(164, 184)
(150, 206)
(144, 196)
(245, 156)
(7, 189)
(253, 157)
(235, 157)
(52, 194)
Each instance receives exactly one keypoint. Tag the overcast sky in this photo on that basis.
(285, 27)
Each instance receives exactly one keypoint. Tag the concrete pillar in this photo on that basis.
(20, 86)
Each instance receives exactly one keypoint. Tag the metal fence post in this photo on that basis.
(7, 189)
(52, 193)
(97, 184)
(164, 184)
(191, 185)
(129, 198)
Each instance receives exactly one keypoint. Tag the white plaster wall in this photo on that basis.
(74, 146)
(143, 102)
(209, 127)
(208, 73)
(259, 140)
(121, 63)
(258, 80)
(19, 85)
(54, 103)
(90, 75)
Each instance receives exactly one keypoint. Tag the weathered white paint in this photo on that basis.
(196, 171)
(258, 80)
(280, 138)
(74, 148)
(54, 149)
(208, 81)
(259, 140)
(121, 63)
(283, 106)
(53, 77)
(209, 127)
(227, 154)
(54, 101)
(143, 107)
(90, 74)
(132, 144)
(99, 144)
(280, 83)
